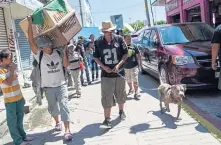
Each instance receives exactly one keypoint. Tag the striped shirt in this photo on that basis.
(11, 93)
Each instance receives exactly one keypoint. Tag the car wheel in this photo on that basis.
(163, 75)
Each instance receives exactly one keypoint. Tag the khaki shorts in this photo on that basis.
(112, 88)
(132, 74)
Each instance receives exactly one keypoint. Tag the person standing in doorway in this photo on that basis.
(81, 50)
(94, 66)
(111, 53)
(52, 78)
(132, 67)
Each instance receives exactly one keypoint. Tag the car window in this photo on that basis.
(153, 39)
(146, 36)
(140, 35)
(186, 33)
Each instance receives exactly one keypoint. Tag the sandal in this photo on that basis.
(29, 138)
(68, 136)
(24, 143)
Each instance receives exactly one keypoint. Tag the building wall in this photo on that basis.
(183, 5)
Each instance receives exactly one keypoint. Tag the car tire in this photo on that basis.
(164, 78)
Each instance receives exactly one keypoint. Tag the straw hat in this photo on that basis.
(107, 26)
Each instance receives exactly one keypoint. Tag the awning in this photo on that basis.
(22, 8)
(160, 2)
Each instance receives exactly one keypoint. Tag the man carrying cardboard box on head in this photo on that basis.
(52, 78)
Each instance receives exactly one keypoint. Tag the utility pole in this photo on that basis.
(147, 13)
(81, 13)
(152, 14)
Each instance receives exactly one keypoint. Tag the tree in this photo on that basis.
(160, 22)
(135, 25)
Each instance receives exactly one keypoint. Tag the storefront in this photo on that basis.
(188, 10)
(11, 12)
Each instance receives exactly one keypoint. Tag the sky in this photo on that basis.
(132, 10)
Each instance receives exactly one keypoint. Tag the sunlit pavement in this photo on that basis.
(145, 125)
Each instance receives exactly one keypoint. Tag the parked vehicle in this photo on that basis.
(179, 53)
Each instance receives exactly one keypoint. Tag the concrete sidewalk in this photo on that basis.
(145, 125)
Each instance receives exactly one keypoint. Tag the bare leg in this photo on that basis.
(130, 86)
(56, 118)
(136, 87)
(67, 127)
(107, 113)
(121, 107)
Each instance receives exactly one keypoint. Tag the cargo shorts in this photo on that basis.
(132, 74)
(111, 89)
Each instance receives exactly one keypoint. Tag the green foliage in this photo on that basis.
(160, 22)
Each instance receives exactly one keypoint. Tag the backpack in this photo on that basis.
(40, 58)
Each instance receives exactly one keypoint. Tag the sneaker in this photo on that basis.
(106, 124)
(24, 143)
(137, 96)
(130, 92)
(122, 115)
(78, 95)
(58, 127)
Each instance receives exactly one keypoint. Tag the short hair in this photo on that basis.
(80, 38)
(4, 53)
(127, 35)
(91, 36)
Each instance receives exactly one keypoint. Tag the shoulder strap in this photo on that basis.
(59, 53)
(40, 58)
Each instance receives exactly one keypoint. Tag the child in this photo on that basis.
(14, 101)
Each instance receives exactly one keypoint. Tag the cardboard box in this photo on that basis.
(61, 27)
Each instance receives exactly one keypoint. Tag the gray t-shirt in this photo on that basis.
(52, 74)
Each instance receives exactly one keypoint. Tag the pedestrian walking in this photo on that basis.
(81, 50)
(13, 98)
(111, 53)
(52, 78)
(75, 60)
(94, 66)
(132, 67)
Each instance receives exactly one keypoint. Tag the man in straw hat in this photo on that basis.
(52, 78)
(110, 53)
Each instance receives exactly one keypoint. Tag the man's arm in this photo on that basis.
(8, 81)
(125, 56)
(31, 41)
(216, 40)
(65, 58)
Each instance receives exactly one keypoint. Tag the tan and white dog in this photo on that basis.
(171, 94)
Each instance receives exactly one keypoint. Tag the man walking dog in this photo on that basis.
(110, 53)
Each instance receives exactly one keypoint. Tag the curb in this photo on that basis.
(196, 113)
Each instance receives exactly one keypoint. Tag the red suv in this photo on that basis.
(179, 53)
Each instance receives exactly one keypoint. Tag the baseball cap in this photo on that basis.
(43, 42)
(80, 37)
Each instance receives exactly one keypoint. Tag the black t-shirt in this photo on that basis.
(217, 37)
(131, 61)
(110, 54)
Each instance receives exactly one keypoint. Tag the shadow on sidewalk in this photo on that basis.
(139, 128)
(91, 131)
(167, 119)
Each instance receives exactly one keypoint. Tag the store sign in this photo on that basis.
(11, 41)
(186, 1)
(7, 1)
(171, 5)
